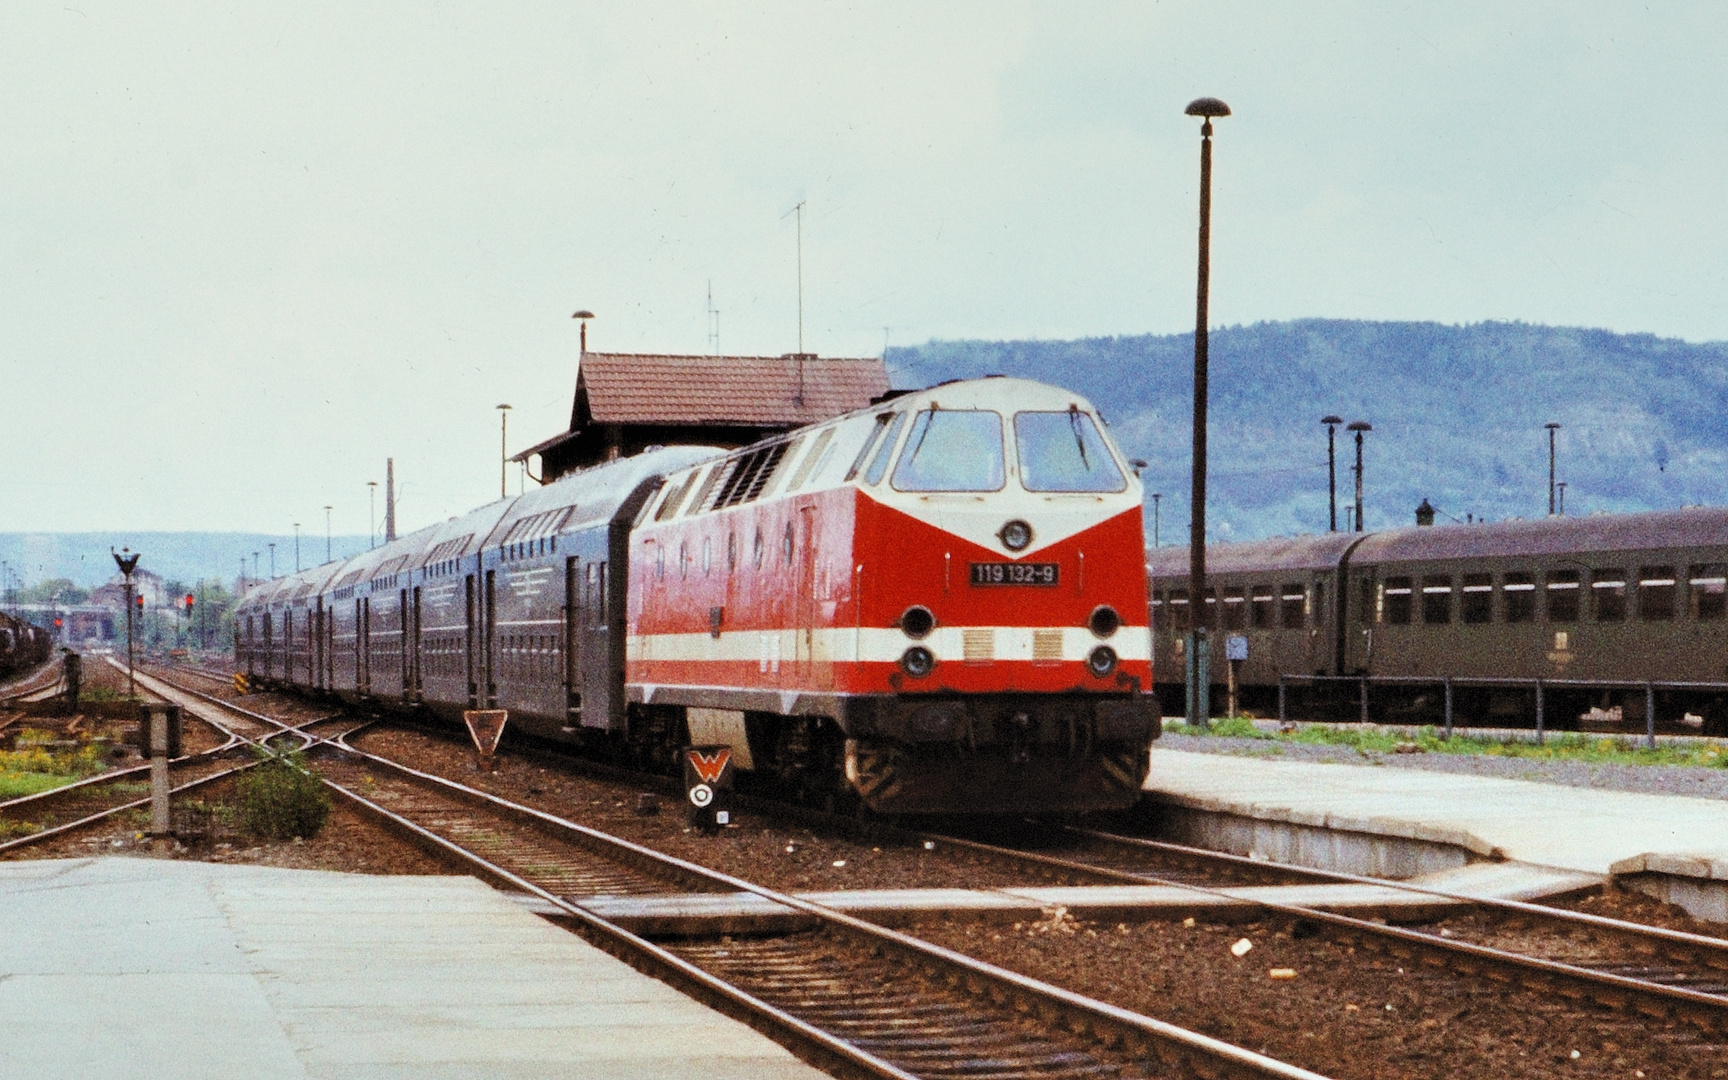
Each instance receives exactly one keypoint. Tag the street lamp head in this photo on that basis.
(583, 314)
(503, 406)
(1551, 426)
(1359, 425)
(1207, 107)
(1331, 419)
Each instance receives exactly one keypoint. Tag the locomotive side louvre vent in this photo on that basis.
(978, 645)
(749, 476)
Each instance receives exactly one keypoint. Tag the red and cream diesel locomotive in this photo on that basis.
(934, 604)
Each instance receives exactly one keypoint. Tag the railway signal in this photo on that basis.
(708, 786)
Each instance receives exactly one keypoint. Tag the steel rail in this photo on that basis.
(1612, 989)
(1169, 1044)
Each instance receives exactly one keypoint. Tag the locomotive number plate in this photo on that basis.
(1010, 573)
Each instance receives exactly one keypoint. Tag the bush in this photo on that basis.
(282, 798)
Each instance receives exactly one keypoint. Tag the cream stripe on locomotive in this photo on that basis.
(978, 644)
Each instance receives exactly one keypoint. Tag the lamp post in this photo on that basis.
(504, 430)
(372, 513)
(296, 547)
(1198, 651)
(272, 547)
(1562, 486)
(1359, 426)
(1332, 423)
(326, 534)
(1552, 428)
(1156, 496)
(127, 560)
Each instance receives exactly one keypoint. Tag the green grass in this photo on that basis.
(37, 769)
(1567, 746)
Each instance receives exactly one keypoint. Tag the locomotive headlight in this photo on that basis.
(917, 622)
(1015, 535)
(917, 661)
(1104, 621)
(1101, 661)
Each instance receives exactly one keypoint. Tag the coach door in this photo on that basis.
(416, 686)
(572, 643)
(363, 644)
(490, 621)
(469, 640)
(316, 678)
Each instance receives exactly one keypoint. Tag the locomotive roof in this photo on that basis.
(1655, 530)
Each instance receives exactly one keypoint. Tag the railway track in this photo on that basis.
(854, 997)
(38, 685)
(36, 819)
(1613, 962)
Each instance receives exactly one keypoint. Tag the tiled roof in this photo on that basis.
(637, 388)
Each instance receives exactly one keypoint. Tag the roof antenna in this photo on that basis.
(799, 211)
(713, 321)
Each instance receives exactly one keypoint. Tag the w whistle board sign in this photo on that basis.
(707, 780)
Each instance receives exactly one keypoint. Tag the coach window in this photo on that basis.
(707, 555)
(1178, 612)
(756, 554)
(731, 551)
(1518, 596)
(1477, 601)
(1292, 601)
(786, 543)
(1156, 601)
(1211, 612)
(1264, 607)
(1396, 601)
(952, 450)
(1706, 589)
(1563, 596)
(1234, 601)
(683, 562)
(1608, 594)
(659, 562)
(1436, 600)
(1655, 593)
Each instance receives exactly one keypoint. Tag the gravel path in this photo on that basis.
(1698, 782)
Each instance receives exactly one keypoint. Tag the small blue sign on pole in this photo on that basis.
(1236, 647)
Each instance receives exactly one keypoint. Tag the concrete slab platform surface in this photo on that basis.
(1582, 829)
(145, 967)
(715, 913)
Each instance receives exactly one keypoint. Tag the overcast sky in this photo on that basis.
(247, 253)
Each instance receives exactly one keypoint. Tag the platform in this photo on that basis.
(146, 967)
(1400, 823)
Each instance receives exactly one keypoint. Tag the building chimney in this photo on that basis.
(1424, 514)
(390, 500)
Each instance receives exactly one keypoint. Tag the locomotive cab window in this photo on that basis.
(1706, 586)
(1608, 595)
(1518, 590)
(1436, 600)
(1396, 605)
(1563, 596)
(1656, 593)
(952, 450)
(1477, 605)
(1063, 451)
(1263, 607)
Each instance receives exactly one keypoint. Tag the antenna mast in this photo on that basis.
(713, 322)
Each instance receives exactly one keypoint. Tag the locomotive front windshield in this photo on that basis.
(952, 450)
(1064, 451)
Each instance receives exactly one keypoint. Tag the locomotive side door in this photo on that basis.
(807, 601)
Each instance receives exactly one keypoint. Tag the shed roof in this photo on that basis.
(646, 388)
